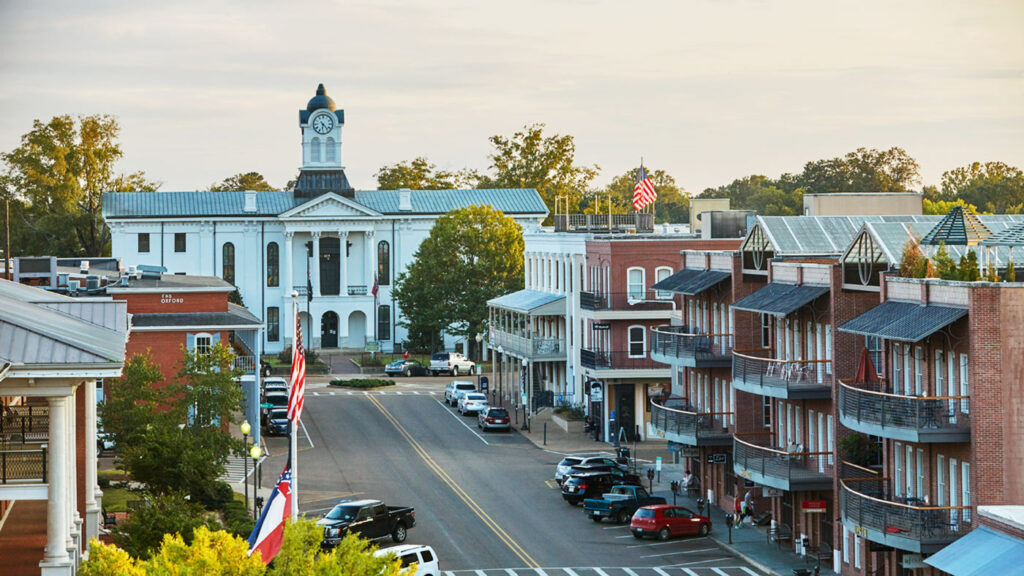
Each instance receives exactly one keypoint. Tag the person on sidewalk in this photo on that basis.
(748, 507)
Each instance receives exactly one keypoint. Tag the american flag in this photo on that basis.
(643, 193)
(298, 389)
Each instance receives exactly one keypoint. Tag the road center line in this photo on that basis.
(459, 419)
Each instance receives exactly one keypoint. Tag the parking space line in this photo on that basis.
(749, 571)
(600, 572)
(510, 572)
(332, 393)
(459, 419)
(570, 571)
(689, 572)
(630, 572)
(679, 552)
(540, 572)
(316, 393)
(399, 393)
(480, 573)
(661, 572)
(656, 544)
(694, 563)
(626, 536)
(416, 392)
(719, 571)
(615, 527)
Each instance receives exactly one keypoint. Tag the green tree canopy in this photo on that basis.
(57, 176)
(759, 193)
(529, 159)
(242, 182)
(420, 174)
(994, 187)
(863, 170)
(673, 203)
(141, 535)
(472, 254)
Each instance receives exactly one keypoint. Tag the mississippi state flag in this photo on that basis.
(268, 533)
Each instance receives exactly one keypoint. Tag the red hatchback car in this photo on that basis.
(665, 521)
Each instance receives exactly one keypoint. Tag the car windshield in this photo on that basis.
(476, 397)
(569, 462)
(440, 356)
(278, 414)
(342, 512)
(465, 387)
(642, 513)
(498, 413)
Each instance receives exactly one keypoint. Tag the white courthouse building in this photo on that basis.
(324, 235)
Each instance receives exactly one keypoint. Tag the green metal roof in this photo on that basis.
(227, 204)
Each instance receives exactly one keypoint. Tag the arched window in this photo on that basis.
(383, 263)
(637, 341)
(273, 267)
(314, 151)
(384, 322)
(661, 273)
(635, 285)
(228, 262)
(331, 152)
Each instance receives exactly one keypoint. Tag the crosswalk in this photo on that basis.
(236, 469)
(376, 393)
(594, 571)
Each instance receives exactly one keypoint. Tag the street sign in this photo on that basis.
(484, 382)
(717, 458)
(266, 405)
(657, 464)
(525, 398)
(372, 346)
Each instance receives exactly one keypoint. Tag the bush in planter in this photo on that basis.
(285, 356)
(363, 383)
(570, 412)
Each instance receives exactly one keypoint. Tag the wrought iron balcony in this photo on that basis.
(609, 223)
(789, 469)
(23, 466)
(865, 408)
(640, 300)
(685, 425)
(682, 346)
(785, 379)
(602, 360)
(904, 523)
(536, 349)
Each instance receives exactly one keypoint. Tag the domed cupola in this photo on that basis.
(321, 100)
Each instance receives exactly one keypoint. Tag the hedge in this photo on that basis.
(363, 383)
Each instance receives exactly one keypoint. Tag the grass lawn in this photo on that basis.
(116, 499)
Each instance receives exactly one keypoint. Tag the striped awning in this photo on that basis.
(780, 299)
(903, 321)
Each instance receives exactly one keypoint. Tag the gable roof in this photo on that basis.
(232, 204)
(890, 237)
(817, 235)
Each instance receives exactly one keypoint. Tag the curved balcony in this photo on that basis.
(864, 408)
(690, 427)
(680, 346)
(870, 513)
(784, 379)
(790, 469)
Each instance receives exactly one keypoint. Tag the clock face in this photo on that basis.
(323, 124)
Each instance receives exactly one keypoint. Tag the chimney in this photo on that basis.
(405, 200)
(250, 201)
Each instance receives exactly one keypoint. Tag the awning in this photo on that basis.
(780, 299)
(532, 302)
(981, 552)
(676, 280)
(903, 321)
(701, 282)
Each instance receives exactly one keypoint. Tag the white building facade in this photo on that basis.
(328, 242)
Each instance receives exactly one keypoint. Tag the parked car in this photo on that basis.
(370, 519)
(406, 367)
(453, 363)
(562, 468)
(265, 368)
(472, 403)
(586, 464)
(272, 399)
(493, 419)
(277, 422)
(422, 556)
(275, 383)
(578, 486)
(665, 521)
(455, 389)
(103, 440)
(619, 504)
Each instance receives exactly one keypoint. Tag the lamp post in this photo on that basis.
(501, 375)
(255, 452)
(246, 428)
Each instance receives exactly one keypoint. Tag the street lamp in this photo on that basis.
(255, 452)
(501, 375)
(246, 428)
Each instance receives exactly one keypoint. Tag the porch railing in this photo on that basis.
(246, 363)
(600, 359)
(21, 466)
(687, 422)
(530, 346)
(638, 222)
(868, 505)
(866, 408)
(792, 464)
(779, 378)
(24, 424)
(685, 342)
(638, 300)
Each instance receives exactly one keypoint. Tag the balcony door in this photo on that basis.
(330, 267)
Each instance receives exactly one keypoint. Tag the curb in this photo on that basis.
(745, 557)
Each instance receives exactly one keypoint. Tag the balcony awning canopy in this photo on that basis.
(676, 280)
(693, 284)
(780, 299)
(983, 551)
(531, 302)
(903, 321)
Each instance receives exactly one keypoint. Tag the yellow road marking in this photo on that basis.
(551, 483)
(476, 508)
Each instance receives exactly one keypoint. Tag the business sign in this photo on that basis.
(171, 299)
(768, 492)
(657, 464)
(484, 383)
(372, 346)
(814, 506)
(601, 326)
(684, 450)
(717, 458)
(596, 391)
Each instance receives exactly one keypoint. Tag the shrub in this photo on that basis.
(103, 482)
(363, 383)
(215, 496)
(570, 412)
(237, 520)
(285, 356)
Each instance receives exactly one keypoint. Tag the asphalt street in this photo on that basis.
(486, 502)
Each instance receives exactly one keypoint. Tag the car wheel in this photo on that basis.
(704, 529)
(595, 518)
(472, 370)
(455, 370)
(638, 535)
(574, 502)
(622, 517)
(663, 534)
(408, 372)
(399, 534)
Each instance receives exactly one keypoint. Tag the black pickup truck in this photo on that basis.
(370, 519)
(619, 504)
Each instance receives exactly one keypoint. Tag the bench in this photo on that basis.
(823, 553)
(780, 533)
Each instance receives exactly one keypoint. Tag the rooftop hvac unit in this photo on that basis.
(92, 282)
(124, 281)
(73, 285)
(62, 279)
(154, 272)
(84, 266)
(131, 271)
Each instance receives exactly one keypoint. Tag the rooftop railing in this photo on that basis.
(602, 360)
(786, 468)
(864, 407)
(688, 426)
(785, 379)
(609, 223)
(684, 346)
(636, 300)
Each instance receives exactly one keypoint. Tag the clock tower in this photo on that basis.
(321, 170)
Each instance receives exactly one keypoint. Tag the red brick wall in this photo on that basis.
(164, 347)
(175, 302)
(1011, 387)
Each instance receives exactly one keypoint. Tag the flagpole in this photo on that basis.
(293, 445)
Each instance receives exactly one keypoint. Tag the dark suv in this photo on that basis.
(581, 485)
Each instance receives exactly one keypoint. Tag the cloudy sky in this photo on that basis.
(709, 90)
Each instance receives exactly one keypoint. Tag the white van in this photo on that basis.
(423, 556)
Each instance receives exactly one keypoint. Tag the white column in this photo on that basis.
(371, 260)
(76, 518)
(93, 494)
(287, 285)
(343, 240)
(55, 555)
(314, 266)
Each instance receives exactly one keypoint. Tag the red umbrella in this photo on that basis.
(866, 368)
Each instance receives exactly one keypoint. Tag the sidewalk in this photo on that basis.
(749, 542)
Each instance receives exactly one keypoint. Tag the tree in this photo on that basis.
(862, 170)
(913, 263)
(472, 254)
(945, 267)
(59, 172)
(942, 207)
(673, 203)
(146, 526)
(761, 194)
(241, 182)
(995, 187)
(133, 402)
(547, 163)
(420, 174)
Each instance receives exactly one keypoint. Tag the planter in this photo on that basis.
(574, 426)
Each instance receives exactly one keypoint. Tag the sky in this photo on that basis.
(708, 90)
